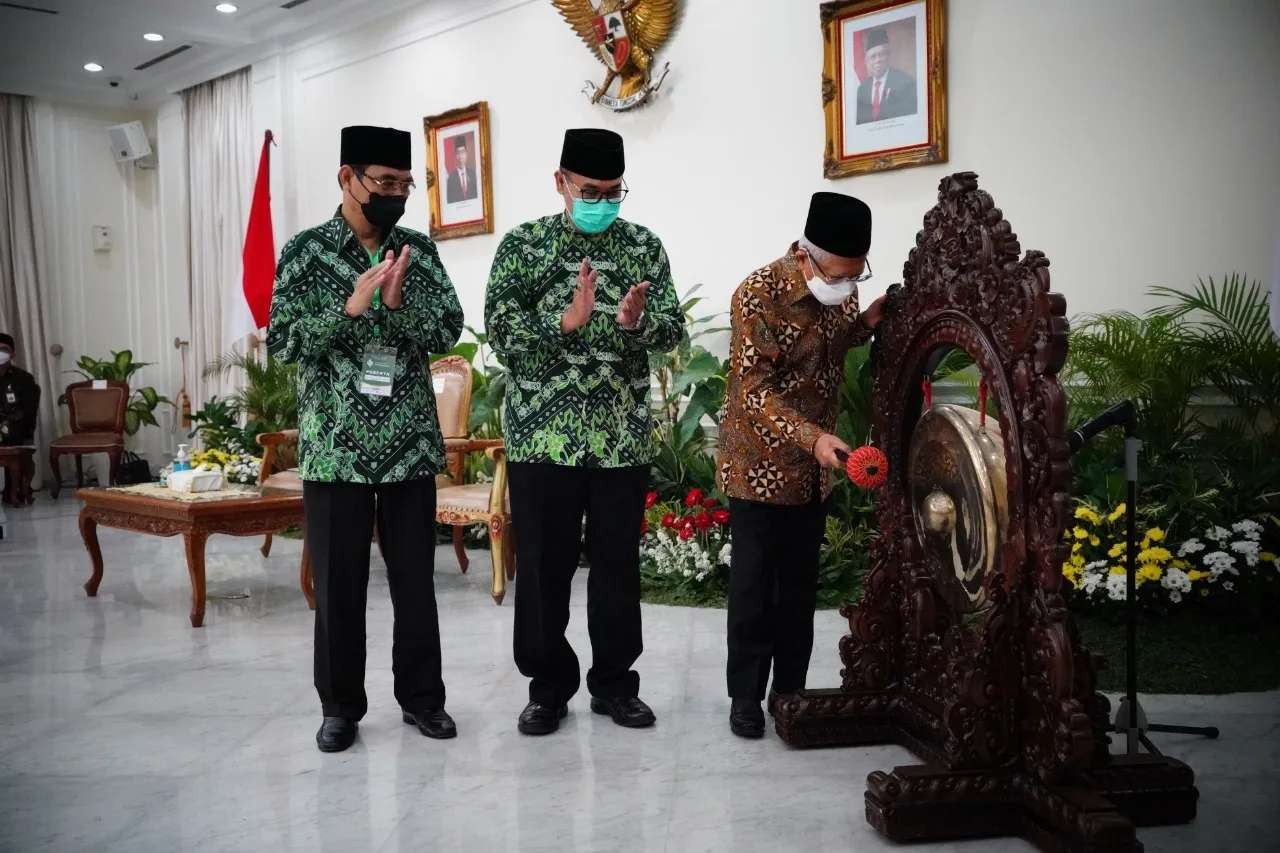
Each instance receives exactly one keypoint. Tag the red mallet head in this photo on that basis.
(867, 467)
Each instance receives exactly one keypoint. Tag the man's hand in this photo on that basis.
(873, 313)
(632, 307)
(824, 449)
(393, 285)
(584, 300)
(360, 300)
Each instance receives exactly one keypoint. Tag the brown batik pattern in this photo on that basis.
(786, 363)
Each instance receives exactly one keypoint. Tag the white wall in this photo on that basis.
(132, 297)
(1134, 142)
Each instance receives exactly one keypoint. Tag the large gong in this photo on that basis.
(962, 649)
(956, 475)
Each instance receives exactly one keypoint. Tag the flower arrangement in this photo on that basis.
(685, 544)
(236, 464)
(1215, 565)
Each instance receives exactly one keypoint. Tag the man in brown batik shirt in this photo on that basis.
(793, 322)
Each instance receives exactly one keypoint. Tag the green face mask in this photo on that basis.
(596, 217)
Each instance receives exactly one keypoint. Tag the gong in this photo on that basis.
(959, 499)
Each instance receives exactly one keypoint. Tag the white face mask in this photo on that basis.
(4, 357)
(828, 294)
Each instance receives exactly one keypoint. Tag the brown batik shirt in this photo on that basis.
(786, 364)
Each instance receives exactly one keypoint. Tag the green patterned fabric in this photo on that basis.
(580, 399)
(346, 436)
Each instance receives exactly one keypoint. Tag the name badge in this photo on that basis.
(10, 397)
(379, 371)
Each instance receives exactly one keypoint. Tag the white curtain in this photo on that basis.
(219, 124)
(23, 266)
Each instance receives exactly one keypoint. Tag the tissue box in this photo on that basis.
(195, 481)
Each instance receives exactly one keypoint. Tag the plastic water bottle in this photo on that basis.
(182, 462)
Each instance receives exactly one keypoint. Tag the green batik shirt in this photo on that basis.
(346, 436)
(580, 399)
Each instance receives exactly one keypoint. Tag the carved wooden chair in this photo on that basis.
(460, 504)
(96, 409)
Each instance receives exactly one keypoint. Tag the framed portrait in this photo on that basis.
(459, 172)
(884, 87)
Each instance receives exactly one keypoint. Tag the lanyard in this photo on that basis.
(377, 295)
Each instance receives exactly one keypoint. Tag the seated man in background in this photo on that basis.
(19, 398)
(793, 323)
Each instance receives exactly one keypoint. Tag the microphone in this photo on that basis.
(1121, 413)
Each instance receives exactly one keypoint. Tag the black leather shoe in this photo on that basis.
(539, 719)
(626, 711)
(437, 724)
(746, 719)
(336, 734)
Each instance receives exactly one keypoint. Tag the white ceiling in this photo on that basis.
(44, 54)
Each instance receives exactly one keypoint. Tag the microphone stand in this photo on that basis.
(1130, 717)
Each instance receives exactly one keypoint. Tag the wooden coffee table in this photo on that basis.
(148, 509)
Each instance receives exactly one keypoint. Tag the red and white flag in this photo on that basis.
(250, 306)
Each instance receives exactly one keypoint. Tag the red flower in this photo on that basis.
(650, 499)
(867, 467)
(686, 523)
(669, 520)
(720, 517)
(686, 533)
(693, 498)
(644, 526)
(709, 503)
(702, 521)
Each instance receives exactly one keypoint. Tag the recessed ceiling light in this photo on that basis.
(92, 66)
(153, 37)
(226, 8)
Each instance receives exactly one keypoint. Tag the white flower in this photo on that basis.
(1116, 589)
(1176, 580)
(1217, 534)
(1219, 562)
(1248, 548)
(1175, 596)
(1096, 564)
(1091, 583)
(1191, 546)
(1249, 528)
(688, 573)
(1228, 586)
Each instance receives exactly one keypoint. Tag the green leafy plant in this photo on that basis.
(269, 397)
(690, 386)
(143, 401)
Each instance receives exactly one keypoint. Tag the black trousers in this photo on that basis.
(547, 506)
(773, 589)
(340, 519)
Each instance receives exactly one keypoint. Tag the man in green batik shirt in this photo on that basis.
(360, 305)
(576, 302)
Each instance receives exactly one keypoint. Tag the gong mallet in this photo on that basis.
(1130, 717)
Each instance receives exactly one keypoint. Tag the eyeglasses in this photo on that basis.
(591, 195)
(847, 279)
(394, 186)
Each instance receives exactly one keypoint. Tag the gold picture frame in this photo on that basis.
(459, 172)
(875, 117)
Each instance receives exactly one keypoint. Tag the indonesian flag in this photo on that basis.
(251, 306)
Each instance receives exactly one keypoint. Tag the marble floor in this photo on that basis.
(122, 728)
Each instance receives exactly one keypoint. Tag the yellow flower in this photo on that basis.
(1267, 556)
(1117, 550)
(1084, 513)
(1180, 564)
(1155, 534)
(1095, 541)
(1117, 570)
(1075, 549)
(1080, 533)
(1195, 575)
(1077, 560)
(1149, 572)
(1071, 574)
(1154, 555)
(1117, 513)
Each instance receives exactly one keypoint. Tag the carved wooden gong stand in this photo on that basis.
(1001, 705)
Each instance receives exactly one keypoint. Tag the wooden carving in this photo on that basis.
(1000, 702)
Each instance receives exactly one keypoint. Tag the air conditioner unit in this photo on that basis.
(129, 141)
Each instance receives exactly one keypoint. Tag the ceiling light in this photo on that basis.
(226, 8)
(92, 66)
(153, 37)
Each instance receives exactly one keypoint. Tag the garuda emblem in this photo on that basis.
(624, 35)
